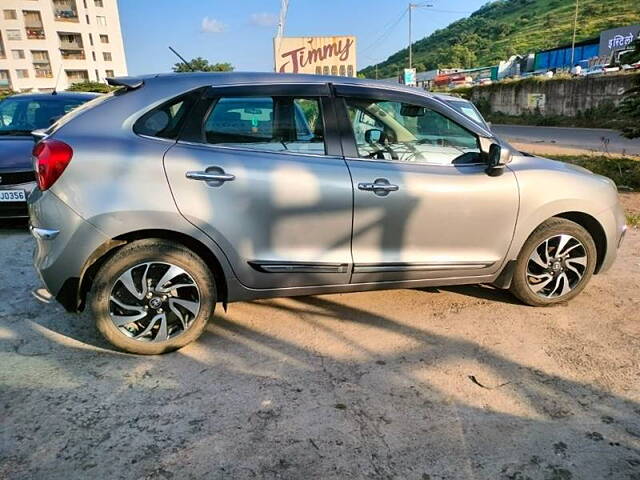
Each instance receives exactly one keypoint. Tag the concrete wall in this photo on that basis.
(555, 96)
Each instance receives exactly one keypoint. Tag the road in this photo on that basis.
(567, 140)
(451, 383)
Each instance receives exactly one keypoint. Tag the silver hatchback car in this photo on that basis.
(180, 191)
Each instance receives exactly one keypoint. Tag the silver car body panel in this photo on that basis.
(295, 224)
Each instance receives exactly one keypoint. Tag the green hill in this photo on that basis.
(505, 27)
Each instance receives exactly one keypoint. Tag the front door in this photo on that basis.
(424, 208)
(260, 171)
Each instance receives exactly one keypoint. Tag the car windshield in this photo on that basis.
(468, 109)
(20, 116)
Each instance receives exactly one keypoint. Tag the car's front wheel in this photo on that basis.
(555, 263)
(152, 296)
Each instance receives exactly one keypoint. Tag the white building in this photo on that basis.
(77, 40)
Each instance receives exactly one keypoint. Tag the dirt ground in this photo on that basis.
(430, 384)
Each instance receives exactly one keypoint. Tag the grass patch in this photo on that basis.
(624, 171)
(633, 219)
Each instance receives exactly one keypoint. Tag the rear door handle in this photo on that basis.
(380, 186)
(210, 177)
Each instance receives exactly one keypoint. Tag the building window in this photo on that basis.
(10, 15)
(91, 40)
(17, 54)
(97, 75)
(75, 76)
(109, 73)
(106, 56)
(343, 71)
(33, 24)
(93, 54)
(88, 21)
(334, 70)
(41, 63)
(65, 10)
(98, 3)
(22, 73)
(104, 38)
(5, 80)
(102, 20)
(14, 34)
(350, 71)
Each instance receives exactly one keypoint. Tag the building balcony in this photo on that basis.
(66, 15)
(72, 54)
(44, 73)
(64, 45)
(5, 83)
(35, 33)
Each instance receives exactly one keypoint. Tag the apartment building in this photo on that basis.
(44, 43)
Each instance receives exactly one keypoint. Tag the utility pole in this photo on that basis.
(575, 28)
(411, 7)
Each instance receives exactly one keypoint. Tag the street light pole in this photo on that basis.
(575, 28)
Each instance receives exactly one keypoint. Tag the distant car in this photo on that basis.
(205, 188)
(19, 116)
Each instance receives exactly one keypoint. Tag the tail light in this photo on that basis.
(51, 158)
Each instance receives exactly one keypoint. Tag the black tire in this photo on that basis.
(140, 252)
(555, 226)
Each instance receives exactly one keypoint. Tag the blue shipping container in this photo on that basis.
(561, 57)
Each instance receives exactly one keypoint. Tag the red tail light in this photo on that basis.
(52, 157)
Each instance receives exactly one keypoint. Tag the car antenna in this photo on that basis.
(55, 88)
(187, 64)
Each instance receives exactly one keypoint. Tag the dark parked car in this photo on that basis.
(19, 116)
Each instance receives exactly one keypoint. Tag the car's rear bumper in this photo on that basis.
(64, 242)
(16, 209)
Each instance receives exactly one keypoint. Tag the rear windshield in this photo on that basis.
(19, 115)
(77, 111)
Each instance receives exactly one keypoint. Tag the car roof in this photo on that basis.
(240, 78)
(58, 95)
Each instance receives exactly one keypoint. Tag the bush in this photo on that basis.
(95, 87)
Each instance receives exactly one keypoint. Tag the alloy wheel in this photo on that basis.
(556, 266)
(154, 302)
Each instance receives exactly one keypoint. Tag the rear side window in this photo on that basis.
(166, 120)
(274, 124)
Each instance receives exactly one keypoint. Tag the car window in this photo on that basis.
(166, 120)
(275, 124)
(19, 116)
(468, 109)
(386, 130)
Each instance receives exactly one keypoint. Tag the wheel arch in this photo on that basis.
(594, 228)
(109, 248)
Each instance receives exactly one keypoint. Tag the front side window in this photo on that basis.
(387, 130)
(274, 124)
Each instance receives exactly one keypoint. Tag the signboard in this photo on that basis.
(319, 55)
(536, 101)
(617, 39)
(409, 77)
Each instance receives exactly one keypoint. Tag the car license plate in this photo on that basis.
(13, 196)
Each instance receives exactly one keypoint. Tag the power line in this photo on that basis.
(387, 31)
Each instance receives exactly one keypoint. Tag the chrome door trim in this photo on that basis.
(418, 267)
(298, 267)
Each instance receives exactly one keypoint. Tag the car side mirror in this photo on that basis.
(373, 135)
(497, 159)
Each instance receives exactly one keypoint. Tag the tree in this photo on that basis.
(200, 64)
(630, 111)
(6, 93)
(634, 55)
(95, 87)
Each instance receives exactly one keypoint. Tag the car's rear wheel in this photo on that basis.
(153, 296)
(555, 263)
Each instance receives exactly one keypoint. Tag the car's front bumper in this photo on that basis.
(614, 224)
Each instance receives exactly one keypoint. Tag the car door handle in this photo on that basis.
(210, 177)
(380, 186)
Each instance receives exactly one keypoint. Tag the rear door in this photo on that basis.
(260, 170)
